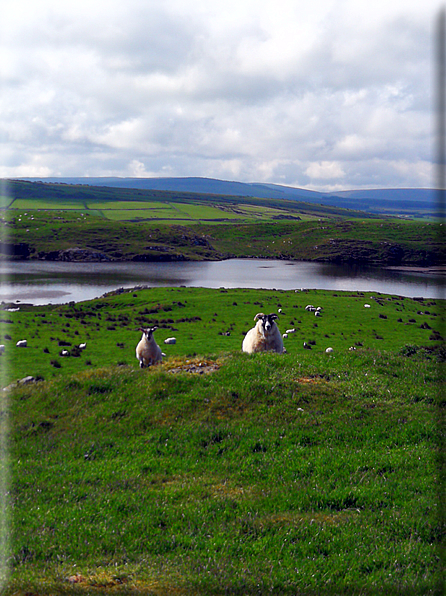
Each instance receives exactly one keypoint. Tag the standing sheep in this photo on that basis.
(264, 336)
(147, 350)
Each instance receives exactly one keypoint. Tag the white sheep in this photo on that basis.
(147, 350)
(22, 343)
(291, 331)
(82, 346)
(329, 350)
(264, 336)
(170, 340)
(2, 348)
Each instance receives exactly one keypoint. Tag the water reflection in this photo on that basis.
(42, 282)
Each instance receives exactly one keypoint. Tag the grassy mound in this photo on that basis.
(225, 473)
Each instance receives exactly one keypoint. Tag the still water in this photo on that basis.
(42, 282)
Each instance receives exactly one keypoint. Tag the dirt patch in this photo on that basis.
(199, 368)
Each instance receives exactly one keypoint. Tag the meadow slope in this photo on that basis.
(220, 472)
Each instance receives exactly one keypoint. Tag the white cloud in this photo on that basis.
(325, 170)
(335, 92)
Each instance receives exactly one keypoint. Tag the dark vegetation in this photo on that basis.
(219, 472)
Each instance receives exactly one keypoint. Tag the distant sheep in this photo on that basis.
(22, 343)
(147, 350)
(290, 331)
(2, 348)
(329, 350)
(264, 336)
(170, 340)
(82, 346)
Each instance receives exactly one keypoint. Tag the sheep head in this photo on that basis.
(148, 331)
(266, 321)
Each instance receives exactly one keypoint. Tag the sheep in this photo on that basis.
(291, 331)
(82, 346)
(329, 350)
(22, 343)
(147, 350)
(264, 336)
(2, 348)
(170, 340)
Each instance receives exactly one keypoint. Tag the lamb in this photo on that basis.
(147, 350)
(264, 336)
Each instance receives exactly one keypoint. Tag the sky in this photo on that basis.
(324, 95)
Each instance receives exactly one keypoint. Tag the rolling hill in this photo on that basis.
(412, 202)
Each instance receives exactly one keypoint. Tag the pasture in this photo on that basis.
(220, 472)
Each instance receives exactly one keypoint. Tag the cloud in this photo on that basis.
(338, 92)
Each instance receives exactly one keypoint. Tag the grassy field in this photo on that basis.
(220, 472)
(122, 204)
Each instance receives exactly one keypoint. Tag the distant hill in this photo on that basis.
(414, 202)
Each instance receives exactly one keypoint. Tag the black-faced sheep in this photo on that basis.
(264, 336)
(147, 350)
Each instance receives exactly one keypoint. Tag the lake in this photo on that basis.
(43, 282)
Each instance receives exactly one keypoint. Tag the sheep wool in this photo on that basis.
(264, 336)
(147, 350)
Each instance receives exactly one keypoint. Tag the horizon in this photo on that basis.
(233, 181)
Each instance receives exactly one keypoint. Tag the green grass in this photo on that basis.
(377, 242)
(267, 476)
(302, 473)
(206, 320)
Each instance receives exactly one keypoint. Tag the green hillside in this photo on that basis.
(220, 472)
(128, 204)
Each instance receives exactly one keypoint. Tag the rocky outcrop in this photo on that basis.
(75, 254)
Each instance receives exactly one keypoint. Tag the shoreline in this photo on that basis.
(437, 269)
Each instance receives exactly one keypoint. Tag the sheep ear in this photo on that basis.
(259, 316)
